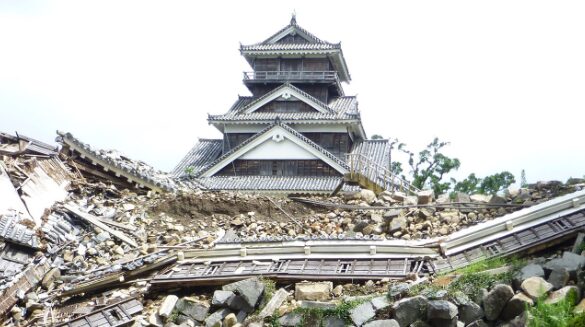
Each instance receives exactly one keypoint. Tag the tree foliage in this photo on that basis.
(491, 184)
(429, 167)
(377, 137)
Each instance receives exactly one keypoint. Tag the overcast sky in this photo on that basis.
(503, 81)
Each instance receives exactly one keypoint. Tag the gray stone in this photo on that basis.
(410, 201)
(478, 323)
(331, 321)
(444, 322)
(566, 293)
(397, 224)
(535, 287)
(195, 310)
(238, 303)
(441, 309)
(250, 289)
(495, 301)
(277, 298)
(425, 196)
(183, 320)
(409, 310)
(461, 197)
(419, 323)
(460, 298)
(519, 321)
(167, 305)
(383, 323)
(313, 291)
(515, 306)
(531, 270)
(391, 213)
(368, 196)
(559, 278)
(241, 316)
(290, 319)
(362, 313)
(398, 196)
(470, 312)
(570, 261)
(50, 277)
(216, 317)
(380, 302)
(220, 298)
(398, 290)
(317, 305)
(496, 199)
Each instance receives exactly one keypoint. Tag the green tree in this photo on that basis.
(429, 166)
(491, 184)
(468, 185)
(377, 137)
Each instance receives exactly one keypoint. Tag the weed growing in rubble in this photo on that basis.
(492, 263)
(341, 311)
(472, 283)
(555, 315)
(269, 289)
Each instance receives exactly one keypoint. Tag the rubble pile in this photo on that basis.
(75, 246)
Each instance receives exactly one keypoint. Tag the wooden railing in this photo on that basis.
(361, 165)
(291, 75)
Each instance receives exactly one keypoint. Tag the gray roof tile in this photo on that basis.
(272, 183)
(204, 152)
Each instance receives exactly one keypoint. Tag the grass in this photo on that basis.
(341, 311)
(491, 263)
(556, 315)
(269, 290)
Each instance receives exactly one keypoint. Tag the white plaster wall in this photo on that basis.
(283, 150)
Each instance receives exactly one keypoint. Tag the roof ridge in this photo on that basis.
(291, 130)
(284, 85)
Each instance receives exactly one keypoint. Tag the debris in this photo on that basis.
(277, 298)
(313, 291)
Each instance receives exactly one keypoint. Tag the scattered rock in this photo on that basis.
(197, 311)
(290, 319)
(409, 310)
(535, 287)
(566, 293)
(220, 298)
(249, 289)
(313, 291)
(216, 318)
(167, 306)
(425, 196)
(362, 313)
(496, 299)
(383, 323)
(515, 306)
(470, 312)
(441, 309)
(531, 270)
(559, 277)
(230, 320)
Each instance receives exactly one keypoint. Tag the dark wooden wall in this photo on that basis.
(304, 64)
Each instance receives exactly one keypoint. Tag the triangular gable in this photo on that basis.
(293, 29)
(287, 91)
(275, 133)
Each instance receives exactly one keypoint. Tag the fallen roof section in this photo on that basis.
(113, 167)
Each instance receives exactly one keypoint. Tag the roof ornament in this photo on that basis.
(293, 19)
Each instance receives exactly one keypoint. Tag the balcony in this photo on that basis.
(291, 76)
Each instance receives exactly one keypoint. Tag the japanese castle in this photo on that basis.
(297, 133)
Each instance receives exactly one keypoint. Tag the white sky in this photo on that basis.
(504, 81)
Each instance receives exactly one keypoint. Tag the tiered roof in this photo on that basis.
(314, 46)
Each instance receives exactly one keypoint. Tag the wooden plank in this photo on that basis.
(96, 222)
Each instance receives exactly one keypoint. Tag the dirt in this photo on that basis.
(201, 207)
